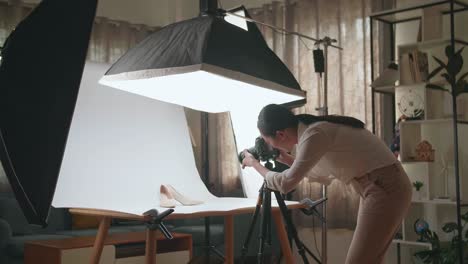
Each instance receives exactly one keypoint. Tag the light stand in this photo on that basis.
(326, 42)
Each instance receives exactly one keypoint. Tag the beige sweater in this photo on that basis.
(327, 151)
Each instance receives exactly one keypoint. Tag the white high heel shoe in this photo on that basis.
(165, 197)
(182, 198)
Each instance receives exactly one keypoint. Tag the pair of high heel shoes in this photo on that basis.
(168, 197)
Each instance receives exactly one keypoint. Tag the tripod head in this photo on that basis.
(156, 221)
(312, 207)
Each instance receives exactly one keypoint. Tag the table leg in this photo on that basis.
(229, 238)
(100, 237)
(150, 251)
(283, 237)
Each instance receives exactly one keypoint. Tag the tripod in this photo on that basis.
(264, 204)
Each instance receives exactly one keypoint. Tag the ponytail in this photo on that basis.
(336, 119)
(275, 117)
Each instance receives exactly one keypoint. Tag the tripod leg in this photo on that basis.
(263, 223)
(291, 228)
(228, 258)
(245, 246)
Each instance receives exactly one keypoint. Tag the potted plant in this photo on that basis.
(452, 68)
(444, 252)
(458, 86)
(418, 185)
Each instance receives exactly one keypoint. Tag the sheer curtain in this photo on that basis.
(109, 40)
(348, 84)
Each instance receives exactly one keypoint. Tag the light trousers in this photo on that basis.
(385, 200)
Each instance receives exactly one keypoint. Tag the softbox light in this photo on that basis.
(40, 73)
(207, 64)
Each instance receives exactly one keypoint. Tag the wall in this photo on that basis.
(158, 12)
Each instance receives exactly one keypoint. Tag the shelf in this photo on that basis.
(413, 162)
(414, 12)
(441, 82)
(412, 243)
(427, 121)
(389, 89)
(442, 202)
(425, 45)
(432, 122)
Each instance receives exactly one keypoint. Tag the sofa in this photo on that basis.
(15, 231)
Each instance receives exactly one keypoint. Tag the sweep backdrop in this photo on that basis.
(122, 147)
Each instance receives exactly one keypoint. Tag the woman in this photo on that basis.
(339, 147)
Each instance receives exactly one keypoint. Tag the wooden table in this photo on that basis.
(106, 217)
(49, 251)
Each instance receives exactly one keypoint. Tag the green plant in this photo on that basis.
(452, 68)
(444, 252)
(417, 185)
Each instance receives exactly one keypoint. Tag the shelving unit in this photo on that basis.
(445, 189)
(419, 244)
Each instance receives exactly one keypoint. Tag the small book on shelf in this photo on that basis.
(414, 67)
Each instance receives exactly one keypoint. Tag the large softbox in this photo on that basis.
(205, 63)
(40, 73)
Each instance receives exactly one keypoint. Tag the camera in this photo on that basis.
(261, 151)
(266, 153)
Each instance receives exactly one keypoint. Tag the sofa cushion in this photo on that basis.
(5, 234)
(139, 228)
(15, 246)
(11, 212)
(93, 231)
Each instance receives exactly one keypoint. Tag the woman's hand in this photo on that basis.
(249, 160)
(285, 158)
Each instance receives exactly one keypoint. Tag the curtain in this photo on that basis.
(349, 92)
(110, 39)
(349, 77)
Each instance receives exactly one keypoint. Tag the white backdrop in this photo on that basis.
(122, 147)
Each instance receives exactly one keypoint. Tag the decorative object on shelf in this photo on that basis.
(418, 185)
(444, 253)
(395, 146)
(445, 173)
(421, 228)
(452, 68)
(388, 77)
(411, 105)
(424, 151)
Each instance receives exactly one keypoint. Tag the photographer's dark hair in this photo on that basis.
(275, 117)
